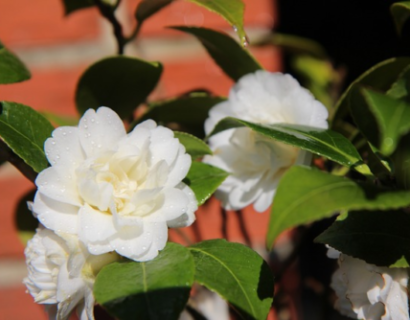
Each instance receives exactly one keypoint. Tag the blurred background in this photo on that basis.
(340, 40)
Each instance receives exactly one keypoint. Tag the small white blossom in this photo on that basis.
(116, 191)
(255, 162)
(368, 292)
(61, 274)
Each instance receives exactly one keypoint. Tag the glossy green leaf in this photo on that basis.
(401, 13)
(147, 8)
(378, 237)
(231, 10)
(392, 116)
(189, 112)
(195, 147)
(237, 273)
(204, 179)
(120, 83)
(323, 142)
(400, 89)
(24, 130)
(157, 289)
(11, 68)
(74, 5)
(379, 77)
(305, 195)
(234, 60)
(24, 220)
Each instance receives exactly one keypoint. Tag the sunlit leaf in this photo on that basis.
(195, 147)
(305, 195)
(204, 179)
(323, 142)
(25, 130)
(237, 273)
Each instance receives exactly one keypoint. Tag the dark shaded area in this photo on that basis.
(161, 304)
(356, 34)
(24, 218)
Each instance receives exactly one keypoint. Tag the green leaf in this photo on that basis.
(74, 5)
(231, 10)
(190, 112)
(401, 163)
(400, 12)
(204, 179)
(305, 195)
(378, 237)
(234, 60)
(294, 44)
(400, 89)
(157, 289)
(195, 147)
(392, 116)
(147, 8)
(59, 120)
(24, 130)
(237, 273)
(120, 83)
(12, 70)
(24, 220)
(379, 77)
(323, 142)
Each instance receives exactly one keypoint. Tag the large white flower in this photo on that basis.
(61, 274)
(255, 162)
(368, 292)
(116, 191)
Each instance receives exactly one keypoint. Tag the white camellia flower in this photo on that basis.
(116, 191)
(61, 274)
(255, 162)
(368, 292)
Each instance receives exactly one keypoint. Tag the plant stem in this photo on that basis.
(7, 154)
(242, 226)
(108, 12)
(224, 227)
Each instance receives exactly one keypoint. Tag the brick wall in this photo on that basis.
(57, 50)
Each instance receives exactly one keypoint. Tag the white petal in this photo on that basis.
(188, 217)
(100, 131)
(179, 168)
(55, 215)
(95, 226)
(58, 186)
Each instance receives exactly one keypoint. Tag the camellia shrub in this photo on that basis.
(109, 188)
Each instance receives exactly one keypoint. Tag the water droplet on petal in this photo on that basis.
(53, 142)
(92, 120)
(235, 28)
(64, 133)
(144, 248)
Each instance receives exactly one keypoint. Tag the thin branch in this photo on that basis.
(7, 154)
(134, 34)
(224, 226)
(107, 12)
(242, 226)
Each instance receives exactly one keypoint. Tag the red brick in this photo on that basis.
(42, 22)
(51, 90)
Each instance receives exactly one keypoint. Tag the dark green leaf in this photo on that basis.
(234, 60)
(25, 222)
(237, 273)
(204, 179)
(305, 195)
(24, 130)
(392, 116)
(379, 77)
(400, 12)
(120, 83)
(378, 237)
(157, 289)
(294, 44)
(189, 112)
(401, 163)
(11, 68)
(74, 5)
(323, 142)
(195, 147)
(400, 89)
(147, 8)
(231, 10)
